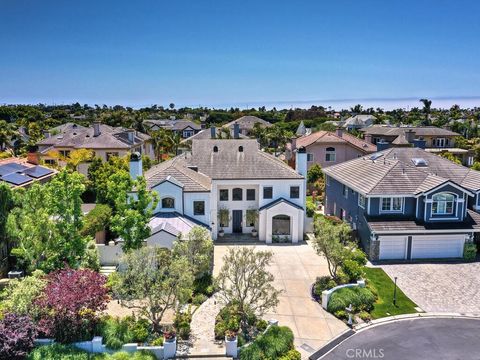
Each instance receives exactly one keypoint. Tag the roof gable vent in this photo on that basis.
(420, 162)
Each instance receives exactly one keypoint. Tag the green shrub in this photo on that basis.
(323, 283)
(469, 251)
(157, 341)
(204, 285)
(199, 299)
(182, 324)
(116, 331)
(292, 354)
(352, 270)
(57, 351)
(310, 208)
(261, 325)
(275, 343)
(360, 298)
(365, 316)
(341, 314)
(359, 257)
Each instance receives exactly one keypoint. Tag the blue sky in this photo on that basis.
(223, 53)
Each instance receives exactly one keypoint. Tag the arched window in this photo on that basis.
(240, 149)
(281, 225)
(330, 154)
(168, 203)
(237, 194)
(215, 148)
(443, 204)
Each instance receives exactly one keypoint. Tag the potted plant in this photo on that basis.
(169, 335)
(230, 335)
(223, 218)
(252, 217)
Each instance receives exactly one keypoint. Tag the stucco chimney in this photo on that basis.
(236, 131)
(212, 132)
(301, 161)
(135, 165)
(32, 155)
(339, 132)
(96, 128)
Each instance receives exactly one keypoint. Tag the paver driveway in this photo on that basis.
(440, 287)
(295, 268)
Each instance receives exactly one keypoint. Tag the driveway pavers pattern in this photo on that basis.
(295, 268)
(440, 287)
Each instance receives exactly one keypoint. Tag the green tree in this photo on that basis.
(332, 240)
(133, 210)
(244, 280)
(197, 249)
(449, 156)
(427, 109)
(7, 132)
(6, 206)
(97, 220)
(314, 174)
(152, 281)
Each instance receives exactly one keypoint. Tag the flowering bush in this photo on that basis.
(17, 333)
(72, 300)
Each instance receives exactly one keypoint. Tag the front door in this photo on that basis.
(237, 221)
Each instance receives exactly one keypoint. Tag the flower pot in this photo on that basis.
(169, 339)
(254, 233)
(221, 233)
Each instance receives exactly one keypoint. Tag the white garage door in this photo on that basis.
(393, 247)
(437, 246)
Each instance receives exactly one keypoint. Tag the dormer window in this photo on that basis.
(240, 149)
(215, 149)
(443, 204)
(168, 203)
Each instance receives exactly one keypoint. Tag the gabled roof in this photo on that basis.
(279, 201)
(172, 223)
(329, 137)
(206, 135)
(248, 122)
(385, 130)
(358, 120)
(393, 172)
(175, 125)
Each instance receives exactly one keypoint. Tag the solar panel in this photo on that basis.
(16, 179)
(37, 171)
(11, 168)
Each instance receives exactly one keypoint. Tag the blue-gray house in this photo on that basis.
(406, 203)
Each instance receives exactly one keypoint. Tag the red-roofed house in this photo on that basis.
(329, 148)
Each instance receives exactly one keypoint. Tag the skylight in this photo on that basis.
(419, 162)
(375, 156)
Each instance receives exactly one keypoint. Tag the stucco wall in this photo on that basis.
(343, 152)
(168, 190)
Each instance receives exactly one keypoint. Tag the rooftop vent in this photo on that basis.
(420, 162)
(375, 156)
(194, 168)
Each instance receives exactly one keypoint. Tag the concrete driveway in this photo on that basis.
(295, 268)
(440, 287)
(430, 338)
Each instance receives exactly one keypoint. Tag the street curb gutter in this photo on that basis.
(386, 320)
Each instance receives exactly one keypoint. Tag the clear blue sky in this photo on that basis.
(221, 53)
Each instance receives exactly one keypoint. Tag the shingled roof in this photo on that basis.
(329, 137)
(248, 122)
(393, 171)
(379, 130)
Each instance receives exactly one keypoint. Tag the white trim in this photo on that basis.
(448, 182)
(426, 232)
(368, 204)
(364, 200)
(391, 211)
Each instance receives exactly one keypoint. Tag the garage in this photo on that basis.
(393, 247)
(437, 246)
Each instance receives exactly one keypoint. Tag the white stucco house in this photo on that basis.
(231, 174)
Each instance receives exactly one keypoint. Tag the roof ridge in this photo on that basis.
(280, 162)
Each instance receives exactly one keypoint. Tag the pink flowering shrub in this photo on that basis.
(17, 333)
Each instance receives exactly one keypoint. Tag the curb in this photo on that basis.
(383, 321)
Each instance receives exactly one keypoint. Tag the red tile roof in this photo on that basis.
(328, 137)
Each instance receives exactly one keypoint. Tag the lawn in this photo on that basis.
(384, 287)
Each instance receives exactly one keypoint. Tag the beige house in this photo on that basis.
(105, 141)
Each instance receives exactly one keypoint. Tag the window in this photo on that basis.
(294, 192)
(440, 142)
(250, 194)
(345, 191)
(168, 203)
(443, 204)
(267, 192)
(65, 153)
(187, 133)
(309, 157)
(224, 195)
(394, 204)
(361, 201)
(199, 208)
(281, 225)
(237, 194)
(330, 154)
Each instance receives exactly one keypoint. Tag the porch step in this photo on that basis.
(107, 270)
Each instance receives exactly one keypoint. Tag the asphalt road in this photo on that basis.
(424, 339)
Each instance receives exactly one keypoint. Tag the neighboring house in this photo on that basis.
(302, 130)
(184, 128)
(247, 124)
(231, 174)
(359, 122)
(328, 148)
(105, 141)
(20, 172)
(406, 203)
(436, 140)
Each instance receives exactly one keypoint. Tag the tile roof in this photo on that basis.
(398, 130)
(176, 125)
(248, 122)
(358, 120)
(393, 172)
(329, 137)
(79, 137)
(206, 135)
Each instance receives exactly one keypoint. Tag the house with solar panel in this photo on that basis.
(406, 203)
(18, 172)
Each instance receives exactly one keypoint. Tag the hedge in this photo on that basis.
(275, 343)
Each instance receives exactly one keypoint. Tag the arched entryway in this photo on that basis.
(281, 226)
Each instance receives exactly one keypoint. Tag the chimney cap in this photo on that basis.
(135, 156)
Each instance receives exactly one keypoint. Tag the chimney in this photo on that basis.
(135, 165)
(410, 135)
(32, 156)
(213, 132)
(382, 145)
(419, 143)
(339, 132)
(96, 128)
(236, 131)
(301, 161)
(131, 135)
(368, 138)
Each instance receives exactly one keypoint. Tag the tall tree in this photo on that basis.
(427, 104)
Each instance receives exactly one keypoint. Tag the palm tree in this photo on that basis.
(159, 140)
(426, 110)
(7, 132)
